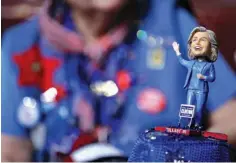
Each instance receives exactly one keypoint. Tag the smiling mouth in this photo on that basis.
(197, 48)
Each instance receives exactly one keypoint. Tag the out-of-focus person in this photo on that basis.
(82, 64)
(14, 12)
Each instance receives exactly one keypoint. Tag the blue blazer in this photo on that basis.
(207, 70)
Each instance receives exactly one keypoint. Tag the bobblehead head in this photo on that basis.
(202, 44)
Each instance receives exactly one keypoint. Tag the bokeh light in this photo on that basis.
(142, 35)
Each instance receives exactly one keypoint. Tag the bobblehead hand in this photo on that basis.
(200, 76)
(175, 46)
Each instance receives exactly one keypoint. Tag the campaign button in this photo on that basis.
(123, 80)
(156, 58)
(151, 101)
(28, 112)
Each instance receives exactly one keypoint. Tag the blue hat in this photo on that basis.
(160, 146)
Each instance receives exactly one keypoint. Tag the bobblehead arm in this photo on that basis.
(182, 61)
(211, 77)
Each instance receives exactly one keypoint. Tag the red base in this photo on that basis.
(190, 132)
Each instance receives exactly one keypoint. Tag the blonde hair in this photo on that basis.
(214, 44)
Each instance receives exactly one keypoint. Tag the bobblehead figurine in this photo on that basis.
(188, 143)
(202, 52)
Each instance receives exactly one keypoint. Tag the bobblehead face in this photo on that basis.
(200, 44)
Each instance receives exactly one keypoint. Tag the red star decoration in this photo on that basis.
(37, 70)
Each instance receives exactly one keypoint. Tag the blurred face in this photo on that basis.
(102, 5)
(200, 45)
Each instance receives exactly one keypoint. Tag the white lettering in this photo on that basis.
(186, 111)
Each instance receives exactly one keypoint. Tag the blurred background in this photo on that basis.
(218, 15)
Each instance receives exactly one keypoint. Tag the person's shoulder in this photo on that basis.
(21, 35)
(24, 28)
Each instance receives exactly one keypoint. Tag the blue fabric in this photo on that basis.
(198, 99)
(194, 67)
(176, 25)
(197, 88)
(12, 93)
(154, 146)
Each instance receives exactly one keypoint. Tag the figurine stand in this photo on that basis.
(191, 132)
